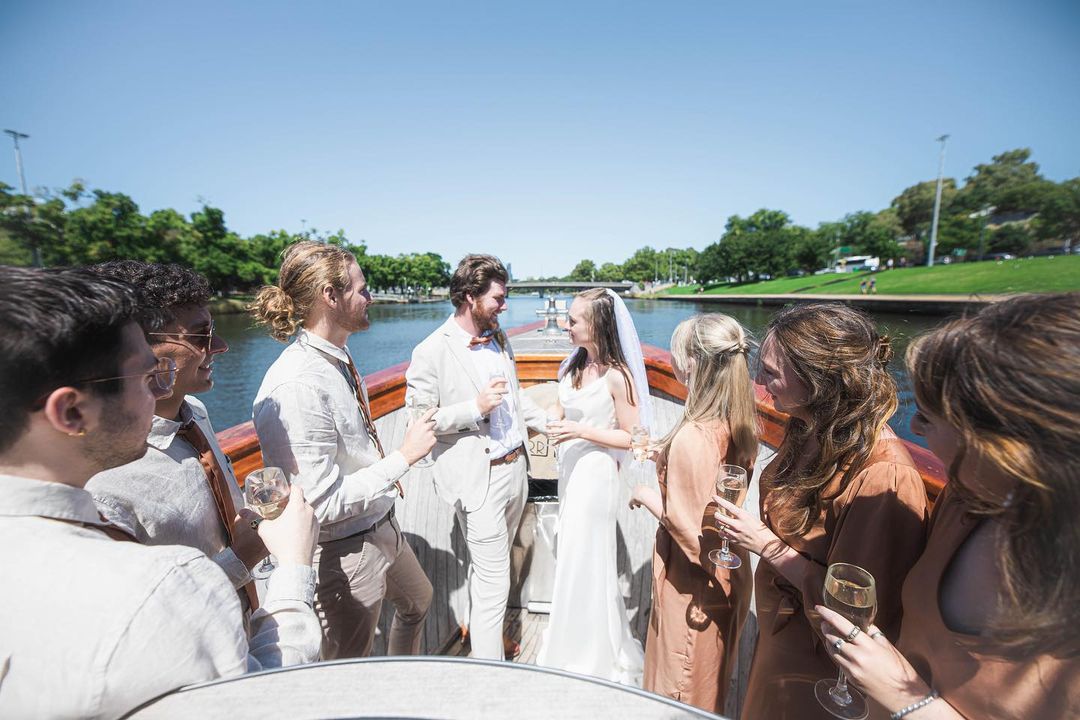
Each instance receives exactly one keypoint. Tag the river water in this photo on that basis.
(396, 329)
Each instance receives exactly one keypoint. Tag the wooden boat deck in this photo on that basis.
(522, 626)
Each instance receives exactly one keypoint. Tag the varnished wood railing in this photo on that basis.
(386, 390)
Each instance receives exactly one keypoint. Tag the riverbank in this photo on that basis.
(920, 304)
(963, 280)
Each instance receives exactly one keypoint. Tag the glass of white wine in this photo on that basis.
(851, 592)
(639, 442)
(418, 404)
(732, 484)
(498, 419)
(266, 492)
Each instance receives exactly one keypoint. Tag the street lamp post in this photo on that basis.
(16, 136)
(937, 202)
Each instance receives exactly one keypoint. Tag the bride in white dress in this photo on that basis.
(602, 395)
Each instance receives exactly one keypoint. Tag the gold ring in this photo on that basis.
(854, 632)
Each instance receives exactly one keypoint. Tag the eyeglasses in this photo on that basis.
(162, 378)
(202, 344)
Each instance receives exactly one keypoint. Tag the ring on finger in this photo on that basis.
(876, 634)
(854, 632)
(255, 523)
(836, 645)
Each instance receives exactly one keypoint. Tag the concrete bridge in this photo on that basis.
(545, 285)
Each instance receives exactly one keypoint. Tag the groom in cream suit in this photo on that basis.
(467, 368)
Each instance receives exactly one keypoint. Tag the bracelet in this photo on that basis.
(915, 706)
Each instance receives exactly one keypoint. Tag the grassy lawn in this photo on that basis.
(1042, 274)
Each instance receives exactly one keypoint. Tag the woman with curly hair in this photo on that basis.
(989, 626)
(842, 488)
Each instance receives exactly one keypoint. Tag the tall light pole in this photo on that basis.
(16, 136)
(937, 201)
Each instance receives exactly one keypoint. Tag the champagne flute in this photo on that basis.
(266, 492)
(732, 485)
(851, 592)
(418, 404)
(551, 418)
(498, 423)
(639, 443)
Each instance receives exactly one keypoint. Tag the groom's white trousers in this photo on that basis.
(489, 532)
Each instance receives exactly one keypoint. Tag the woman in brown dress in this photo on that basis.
(842, 488)
(698, 608)
(990, 609)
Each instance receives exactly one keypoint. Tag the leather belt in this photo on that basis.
(509, 457)
(379, 523)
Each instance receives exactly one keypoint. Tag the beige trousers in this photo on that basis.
(354, 575)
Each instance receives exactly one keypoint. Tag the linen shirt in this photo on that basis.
(92, 627)
(164, 498)
(309, 424)
(490, 362)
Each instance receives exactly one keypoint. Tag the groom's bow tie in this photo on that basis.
(484, 339)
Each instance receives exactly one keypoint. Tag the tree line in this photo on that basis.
(1004, 206)
(79, 226)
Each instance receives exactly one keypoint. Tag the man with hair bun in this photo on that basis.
(482, 425)
(314, 421)
(183, 490)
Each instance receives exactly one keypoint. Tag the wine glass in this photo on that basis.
(639, 443)
(850, 591)
(418, 404)
(731, 485)
(266, 492)
(498, 423)
(551, 418)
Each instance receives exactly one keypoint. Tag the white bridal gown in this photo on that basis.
(588, 631)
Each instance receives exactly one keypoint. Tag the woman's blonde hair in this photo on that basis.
(843, 361)
(1008, 381)
(711, 352)
(306, 268)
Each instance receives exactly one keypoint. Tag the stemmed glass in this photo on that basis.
(850, 591)
(731, 485)
(418, 404)
(497, 422)
(551, 418)
(639, 445)
(266, 492)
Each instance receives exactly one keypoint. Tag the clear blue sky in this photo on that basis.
(544, 131)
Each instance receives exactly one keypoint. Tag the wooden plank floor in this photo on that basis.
(521, 625)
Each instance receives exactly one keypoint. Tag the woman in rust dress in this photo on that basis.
(990, 610)
(698, 608)
(842, 488)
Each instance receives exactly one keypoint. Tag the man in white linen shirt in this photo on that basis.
(314, 421)
(167, 497)
(482, 423)
(92, 623)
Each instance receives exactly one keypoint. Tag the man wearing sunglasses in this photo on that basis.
(183, 491)
(93, 624)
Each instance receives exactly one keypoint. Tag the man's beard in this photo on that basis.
(485, 321)
(352, 322)
(121, 443)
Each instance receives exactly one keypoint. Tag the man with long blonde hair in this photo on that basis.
(314, 421)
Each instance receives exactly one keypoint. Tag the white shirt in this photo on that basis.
(490, 362)
(164, 498)
(309, 424)
(92, 627)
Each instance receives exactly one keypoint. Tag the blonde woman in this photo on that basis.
(842, 488)
(697, 607)
(989, 627)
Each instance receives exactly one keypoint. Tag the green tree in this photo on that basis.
(1059, 214)
(610, 272)
(915, 206)
(1001, 183)
(584, 271)
(1013, 238)
(643, 265)
(871, 234)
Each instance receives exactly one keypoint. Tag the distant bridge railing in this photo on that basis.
(543, 285)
